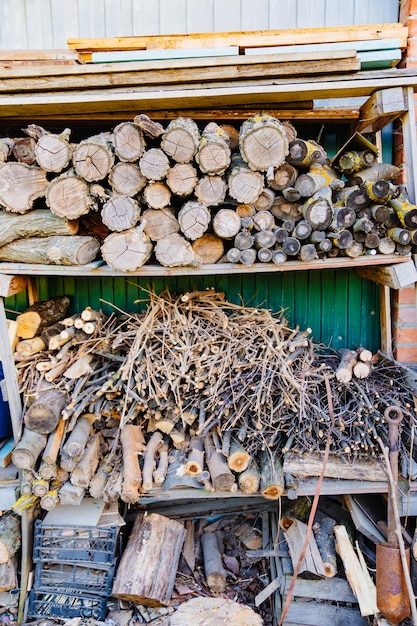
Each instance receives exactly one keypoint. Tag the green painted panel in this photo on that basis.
(341, 309)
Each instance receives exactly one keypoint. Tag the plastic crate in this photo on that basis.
(66, 605)
(74, 576)
(90, 544)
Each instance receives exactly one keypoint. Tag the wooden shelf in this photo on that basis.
(100, 269)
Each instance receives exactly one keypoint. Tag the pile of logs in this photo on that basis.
(186, 195)
(194, 392)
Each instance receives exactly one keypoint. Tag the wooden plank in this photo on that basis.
(98, 268)
(10, 285)
(408, 121)
(151, 55)
(359, 46)
(379, 59)
(10, 376)
(361, 520)
(6, 452)
(333, 589)
(313, 613)
(243, 39)
(256, 93)
(40, 55)
(382, 107)
(395, 277)
(385, 320)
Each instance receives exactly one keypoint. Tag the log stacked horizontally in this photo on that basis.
(192, 194)
(196, 392)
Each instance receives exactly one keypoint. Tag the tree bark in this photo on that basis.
(28, 450)
(60, 250)
(148, 566)
(41, 314)
(44, 414)
(36, 223)
(378, 171)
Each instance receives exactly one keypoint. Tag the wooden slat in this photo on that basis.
(334, 589)
(313, 613)
(98, 268)
(39, 55)
(244, 39)
(359, 46)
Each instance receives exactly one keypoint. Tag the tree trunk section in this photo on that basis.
(154, 164)
(126, 179)
(378, 171)
(44, 414)
(283, 176)
(120, 213)
(182, 178)
(195, 461)
(272, 476)
(305, 153)
(348, 359)
(245, 185)
(53, 152)
(20, 186)
(238, 458)
(41, 314)
(148, 126)
(175, 251)
(323, 533)
(157, 195)
(209, 248)
(263, 142)
(93, 158)
(128, 250)
(28, 450)
(68, 196)
(318, 177)
(213, 154)
(317, 210)
(213, 563)
(148, 566)
(36, 223)
(283, 209)
(128, 141)
(354, 197)
(250, 479)
(65, 250)
(210, 190)
(226, 223)
(180, 139)
(194, 219)
(159, 223)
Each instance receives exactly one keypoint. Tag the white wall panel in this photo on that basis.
(26, 24)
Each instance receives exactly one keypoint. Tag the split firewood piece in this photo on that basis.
(28, 450)
(159, 223)
(356, 573)
(41, 314)
(21, 185)
(180, 139)
(148, 566)
(200, 611)
(356, 160)
(154, 164)
(44, 414)
(363, 367)
(354, 197)
(133, 444)
(23, 149)
(182, 178)
(221, 476)
(282, 177)
(160, 472)
(272, 476)
(226, 223)
(195, 461)
(6, 147)
(318, 209)
(157, 195)
(348, 358)
(99, 480)
(86, 467)
(238, 459)
(295, 533)
(305, 153)
(56, 370)
(213, 155)
(209, 248)
(78, 437)
(128, 250)
(80, 367)
(68, 196)
(174, 250)
(405, 211)
(265, 200)
(120, 213)
(10, 536)
(250, 479)
(60, 250)
(194, 219)
(211, 190)
(9, 576)
(213, 564)
(324, 535)
(149, 460)
(70, 494)
(27, 347)
(148, 126)
(53, 151)
(263, 142)
(36, 223)
(126, 179)
(128, 141)
(245, 185)
(378, 171)
(317, 177)
(93, 158)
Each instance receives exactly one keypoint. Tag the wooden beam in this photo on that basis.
(394, 276)
(10, 285)
(381, 108)
(385, 320)
(408, 121)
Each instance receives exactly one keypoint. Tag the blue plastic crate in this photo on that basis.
(67, 605)
(89, 544)
(74, 576)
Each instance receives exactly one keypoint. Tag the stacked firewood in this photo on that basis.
(187, 195)
(194, 392)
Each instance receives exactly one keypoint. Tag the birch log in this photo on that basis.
(35, 223)
(93, 158)
(128, 141)
(65, 250)
(128, 250)
(263, 142)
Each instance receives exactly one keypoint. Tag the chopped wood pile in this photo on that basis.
(195, 392)
(187, 195)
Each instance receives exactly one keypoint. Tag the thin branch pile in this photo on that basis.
(194, 392)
